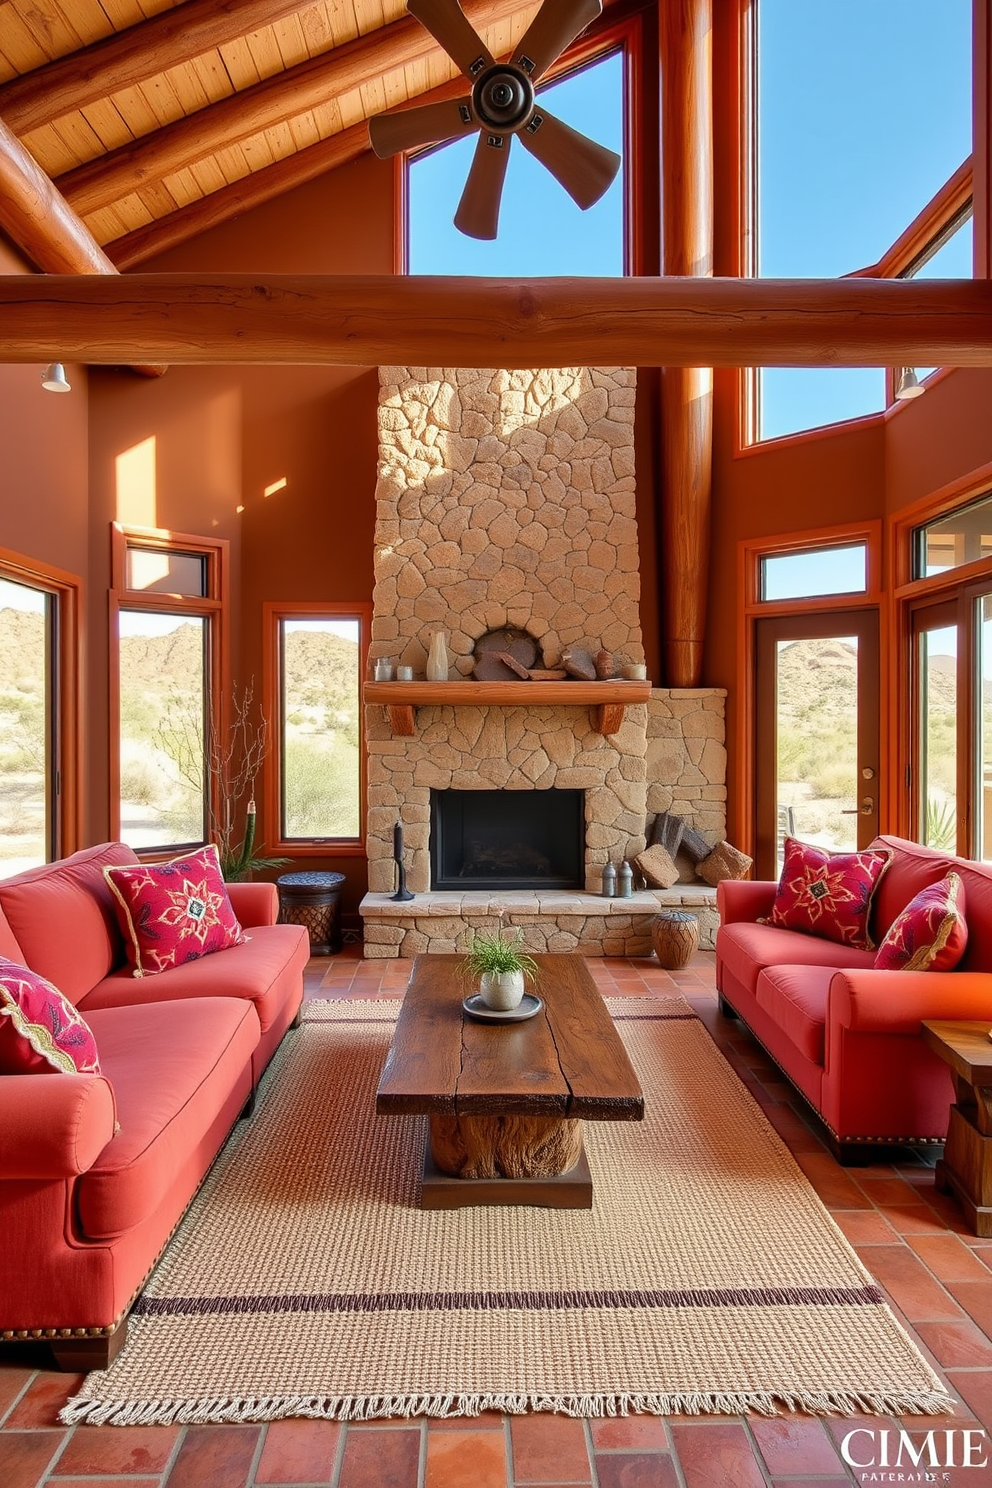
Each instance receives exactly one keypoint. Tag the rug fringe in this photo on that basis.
(377, 1407)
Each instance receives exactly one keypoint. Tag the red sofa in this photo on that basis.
(96, 1171)
(847, 1036)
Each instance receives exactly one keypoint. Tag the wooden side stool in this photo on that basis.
(675, 936)
(313, 900)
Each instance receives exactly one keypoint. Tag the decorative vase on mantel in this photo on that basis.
(502, 990)
(437, 658)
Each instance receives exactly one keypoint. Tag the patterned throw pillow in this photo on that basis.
(930, 934)
(828, 894)
(41, 1033)
(173, 912)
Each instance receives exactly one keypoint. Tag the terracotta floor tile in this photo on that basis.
(44, 1398)
(789, 1446)
(636, 1470)
(835, 1187)
(116, 1482)
(299, 1451)
(913, 1289)
(814, 1483)
(214, 1457)
(716, 1455)
(864, 1226)
(959, 1345)
(974, 1387)
(25, 1456)
(913, 1219)
(489, 1418)
(474, 1459)
(118, 1449)
(12, 1382)
(630, 1431)
(549, 1449)
(976, 1299)
(381, 1459)
(948, 1257)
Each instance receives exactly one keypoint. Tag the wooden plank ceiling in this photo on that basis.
(156, 120)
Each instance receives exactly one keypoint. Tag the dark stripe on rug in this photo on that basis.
(511, 1301)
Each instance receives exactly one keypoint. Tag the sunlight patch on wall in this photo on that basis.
(136, 498)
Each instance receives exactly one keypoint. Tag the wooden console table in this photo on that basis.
(966, 1167)
(607, 700)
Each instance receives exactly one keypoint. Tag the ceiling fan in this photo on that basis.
(502, 104)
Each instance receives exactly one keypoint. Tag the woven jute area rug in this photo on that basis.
(305, 1280)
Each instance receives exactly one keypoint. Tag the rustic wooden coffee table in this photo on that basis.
(506, 1102)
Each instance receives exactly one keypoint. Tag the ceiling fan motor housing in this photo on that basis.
(503, 97)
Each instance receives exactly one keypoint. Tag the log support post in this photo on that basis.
(686, 392)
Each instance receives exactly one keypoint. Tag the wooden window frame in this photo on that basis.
(273, 613)
(214, 607)
(751, 608)
(609, 34)
(66, 824)
(947, 208)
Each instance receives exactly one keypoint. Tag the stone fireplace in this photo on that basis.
(508, 499)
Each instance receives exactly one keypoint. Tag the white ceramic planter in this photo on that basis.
(502, 989)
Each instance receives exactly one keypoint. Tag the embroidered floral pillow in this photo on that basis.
(41, 1033)
(173, 912)
(828, 894)
(930, 934)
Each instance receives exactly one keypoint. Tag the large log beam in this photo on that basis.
(346, 69)
(685, 28)
(132, 56)
(366, 320)
(43, 225)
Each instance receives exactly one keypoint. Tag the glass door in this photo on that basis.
(816, 733)
(937, 712)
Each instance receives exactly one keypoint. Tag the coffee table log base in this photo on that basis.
(505, 1160)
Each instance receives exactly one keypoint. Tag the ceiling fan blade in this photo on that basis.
(478, 210)
(407, 128)
(585, 169)
(448, 24)
(557, 23)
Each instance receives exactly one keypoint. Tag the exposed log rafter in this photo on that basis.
(366, 320)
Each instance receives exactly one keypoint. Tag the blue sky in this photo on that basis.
(865, 109)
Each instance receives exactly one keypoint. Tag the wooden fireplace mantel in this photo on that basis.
(607, 700)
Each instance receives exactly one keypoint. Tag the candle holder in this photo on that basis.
(402, 892)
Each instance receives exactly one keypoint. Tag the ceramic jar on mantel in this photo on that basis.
(437, 658)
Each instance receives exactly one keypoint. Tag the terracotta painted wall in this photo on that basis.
(223, 434)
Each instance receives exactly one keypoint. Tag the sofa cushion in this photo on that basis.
(746, 947)
(828, 894)
(171, 1077)
(796, 997)
(63, 917)
(174, 912)
(931, 933)
(9, 946)
(41, 1032)
(264, 970)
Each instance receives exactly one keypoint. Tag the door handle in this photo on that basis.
(867, 808)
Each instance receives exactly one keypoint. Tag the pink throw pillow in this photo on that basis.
(828, 894)
(931, 933)
(174, 912)
(41, 1033)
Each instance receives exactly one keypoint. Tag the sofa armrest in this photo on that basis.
(899, 1001)
(744, 898)
(254, 903)
(54, 1126)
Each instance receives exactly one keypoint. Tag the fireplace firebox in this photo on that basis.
(504, 839)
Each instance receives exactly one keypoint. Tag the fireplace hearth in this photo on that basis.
(500, 839)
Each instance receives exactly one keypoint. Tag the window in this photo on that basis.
(541, 230)
(169, 707)
(39, 607)
(314, 665)
(963, 537)
(863, 118)
(813, 572)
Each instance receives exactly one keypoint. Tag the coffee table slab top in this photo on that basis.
(964, 1044)
(566, 1062)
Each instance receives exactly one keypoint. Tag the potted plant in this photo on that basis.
(501, 965)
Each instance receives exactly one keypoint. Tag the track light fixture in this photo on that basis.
(54, 380)
(908, 385)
